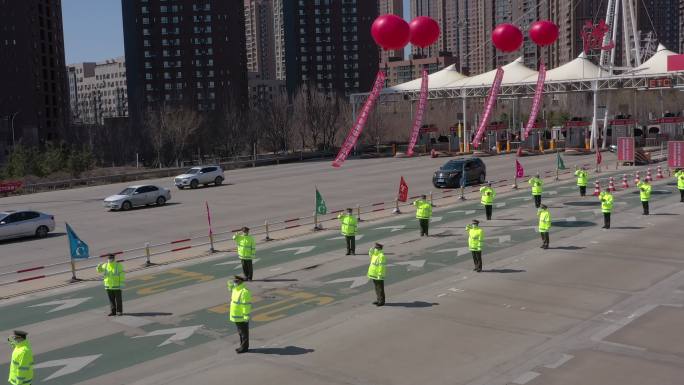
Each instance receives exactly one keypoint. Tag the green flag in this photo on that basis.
(559, 162)
(321, 209)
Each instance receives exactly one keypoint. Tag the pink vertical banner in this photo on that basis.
(489, 107)
(418, 121)
(536, 103)
(356, 130)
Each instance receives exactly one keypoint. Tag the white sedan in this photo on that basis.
(17, 224)
(142, 195)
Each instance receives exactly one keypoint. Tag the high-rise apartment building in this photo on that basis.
(394, 7)
(522, 14)
(184, 52)
(477, 54)
(662, 18)
(97, 91)
(445, 13)
(33, 92)
(328, 45)
(260, 38)
(279, 38)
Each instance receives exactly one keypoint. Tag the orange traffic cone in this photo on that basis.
(597, 188)
(637, 179)
(660, 175)
(649, 177)
(624, 181)
(611, 184)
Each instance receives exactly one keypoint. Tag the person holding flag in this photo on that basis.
(348, 226)
(544, 225)
(582, 179)
(680, 183)
(644, 194)
(537, 188)
(113, 279)
(606, 199)
(487, 195)
(475, 239)
(423, 214)
(246, 248)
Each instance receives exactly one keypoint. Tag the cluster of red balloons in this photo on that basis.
(509, 38)
(391, 32)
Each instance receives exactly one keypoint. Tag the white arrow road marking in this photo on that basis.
(526, 227)
(177, 334)
(239, 265)
(523, 198)
(392, 228)
(418, 264)
(298, 250)
(459, 251)
(466, 212)
(570, 219)
(552, 192)
(227, 263)
(620, 203)
(63, 303)
(504, 238)
(436, 219)
(500, 205)
(356, 281)
(358, 237)
(70, 365)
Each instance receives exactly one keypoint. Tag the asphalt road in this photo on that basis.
(249, 197)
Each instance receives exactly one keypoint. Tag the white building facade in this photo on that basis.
(97, 91)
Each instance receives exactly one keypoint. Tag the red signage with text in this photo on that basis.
(622, 122)
(675, 119)
(625, 149)
(660, 83)
(577, 123)
(8, 187)
(675, 154)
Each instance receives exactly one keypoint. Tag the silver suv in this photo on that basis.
(204, 175)
(16, 224)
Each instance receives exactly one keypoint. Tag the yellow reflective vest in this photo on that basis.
(376, 269)
(21, 366)
(488, 194)
(475, 237)
(423, 209)
(537, 185)
(246, 246)
(680, 179)
(544, 220)
(113, 275)
(240, 302)
(644, 191)
(582, 178)
(606, 199)
(348, 224)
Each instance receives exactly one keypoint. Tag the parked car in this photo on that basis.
(449, 175)
(196, 176)
(16, 224)
(138, 196)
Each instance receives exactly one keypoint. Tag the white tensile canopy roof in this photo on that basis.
(514, 72)
(579, 69)
(436, 80)
(657, 64)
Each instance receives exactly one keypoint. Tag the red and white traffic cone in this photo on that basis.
(597, 188)
(660, 175)
(611, 184)
(624, 181)
(637, 178)
(649, 177)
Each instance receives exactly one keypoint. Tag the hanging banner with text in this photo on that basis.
(355, 132)
(9, 187)
(625, 149)
(420, 110)
(675, 154)
(489, 107)
(536, 103)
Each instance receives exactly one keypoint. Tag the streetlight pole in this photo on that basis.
(14, 115)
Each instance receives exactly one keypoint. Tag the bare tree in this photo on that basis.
(180, 123)
(234, 130)
(318, 115)
(275, 120)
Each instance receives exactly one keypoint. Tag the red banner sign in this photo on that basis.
(536, 103)
(625, 149)
(675, 119)
(355, 132)
(675, 154)
(660, 83)
(403, 190)
(8, 187)
(425, 130)
(675, 63)
(576, 123)
(420, 110)
(489, 106)
(622, 122)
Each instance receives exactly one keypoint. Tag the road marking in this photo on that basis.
(523, 198)
(177, 334)
(358, 237)
(455, 290)
(227, 263)
(156, 285)
(133, 322)
(436, 219)
(465, 212)
(392, 228)
(527, 227)
(504, 238)
(70, 365)
(571, 219)
(418, 264)
(239, 266)
(298, 250)
(356, 281)
(526, 377)
(459, 251)
(564, 358)
(552, 192)
(63, 303)
(294, 299)
(500, 205)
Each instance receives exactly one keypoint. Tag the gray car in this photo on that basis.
(17, 224)
(140, 195)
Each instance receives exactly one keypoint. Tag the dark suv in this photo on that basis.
(449, 175)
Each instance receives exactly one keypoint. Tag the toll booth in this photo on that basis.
(535, 141)
(497, 135)
(620, 128)
(668, 128)
(428, 135)
(577, 136)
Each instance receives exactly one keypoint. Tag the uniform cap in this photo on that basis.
(20, 334)
(239, 278)
(476, 222)
(378, 245)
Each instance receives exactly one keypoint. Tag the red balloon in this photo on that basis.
(391, 32)
(507, 37)
(424, 31)
(543, 32)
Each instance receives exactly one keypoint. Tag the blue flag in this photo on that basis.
(79, 249)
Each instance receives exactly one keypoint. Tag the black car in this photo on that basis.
(449, 175)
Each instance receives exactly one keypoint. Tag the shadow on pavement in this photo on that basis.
(583, 203)
(504, 271)
(507, 219)
(147, 314)
(414, 304)
(573, 223)
(567, 248)
(627, 227)
(286, 351)
(276, 280)
(665, 214)
(655, 192)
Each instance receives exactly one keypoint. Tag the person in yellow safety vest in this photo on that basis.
(21, 365)
(475, 239)
(348, 226)
(644, 194)
(487, 194)
(240, 308)
(376, 272)
(606, 199)
(113, 279)
(680, 183)
(423, 214)
(246, 248)
(537, 188)
(544, 225)
(582, 180)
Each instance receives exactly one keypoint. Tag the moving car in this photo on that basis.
(196, 176)
(449, 175)
(16, 224)
(138, 196)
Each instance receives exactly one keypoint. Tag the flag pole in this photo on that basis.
(557, 163)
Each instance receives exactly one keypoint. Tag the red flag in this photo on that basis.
(599, 158)
(519, 170)
(208, 217)
(403, 190)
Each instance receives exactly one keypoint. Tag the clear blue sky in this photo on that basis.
(93, 30)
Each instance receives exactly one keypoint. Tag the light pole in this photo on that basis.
(14, 115)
